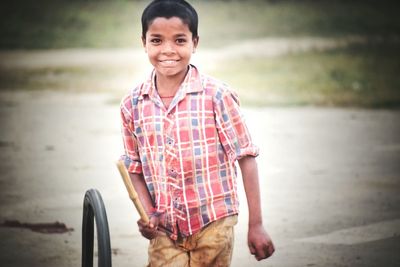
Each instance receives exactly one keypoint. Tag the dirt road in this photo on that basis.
(330, 182)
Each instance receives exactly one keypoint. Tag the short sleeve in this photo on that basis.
(232, 130)
(131, 157)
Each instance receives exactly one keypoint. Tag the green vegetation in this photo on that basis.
(238, 20)
(358, 76)
(361, 75)
(76, 79)
(59, 24)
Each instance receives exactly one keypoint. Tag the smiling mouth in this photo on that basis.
(169, 62)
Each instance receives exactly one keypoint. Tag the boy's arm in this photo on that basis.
(143, 193)
(149, 230)
(259, 242)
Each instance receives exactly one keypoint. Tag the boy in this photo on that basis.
(182, 134)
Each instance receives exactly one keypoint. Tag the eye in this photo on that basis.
(181, 41)
(155, 41)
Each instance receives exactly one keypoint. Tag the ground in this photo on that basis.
(330, 182)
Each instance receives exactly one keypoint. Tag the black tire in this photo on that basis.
(93, 209)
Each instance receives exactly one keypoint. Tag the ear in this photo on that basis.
(144, 43)
(195, 43)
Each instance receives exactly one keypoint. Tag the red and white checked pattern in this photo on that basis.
(187, 152)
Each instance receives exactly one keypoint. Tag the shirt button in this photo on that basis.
(173, 173)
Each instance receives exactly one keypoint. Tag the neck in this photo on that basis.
(167, 85)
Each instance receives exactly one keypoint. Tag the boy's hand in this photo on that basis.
(150, 230)
(259, 242)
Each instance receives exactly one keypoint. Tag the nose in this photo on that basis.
(168, 48)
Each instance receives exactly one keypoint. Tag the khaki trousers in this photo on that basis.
(212, 246)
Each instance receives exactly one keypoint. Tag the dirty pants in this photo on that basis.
(212, 246)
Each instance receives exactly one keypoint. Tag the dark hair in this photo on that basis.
(168, 9)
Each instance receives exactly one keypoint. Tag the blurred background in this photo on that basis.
(320, 88)
(325, 53)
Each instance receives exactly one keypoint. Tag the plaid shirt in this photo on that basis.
(187, 152)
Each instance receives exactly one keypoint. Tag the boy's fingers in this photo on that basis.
(260, 253)
(149, 230)
(271, 249)
(265, 251)
(150, 233)
(153, 222)
(146, 230)
(252, 249)
(141, 224)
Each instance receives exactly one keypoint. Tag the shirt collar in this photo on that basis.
(191, 83)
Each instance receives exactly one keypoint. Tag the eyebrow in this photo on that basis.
(155, 35)
(176, 35)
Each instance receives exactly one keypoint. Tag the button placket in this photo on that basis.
(172, 163)
(169, 141)
(172, 172)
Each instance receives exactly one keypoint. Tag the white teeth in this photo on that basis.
(169, 61)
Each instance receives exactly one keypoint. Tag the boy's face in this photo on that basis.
(169, 45)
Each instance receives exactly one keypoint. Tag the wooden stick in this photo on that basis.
(131, 190)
